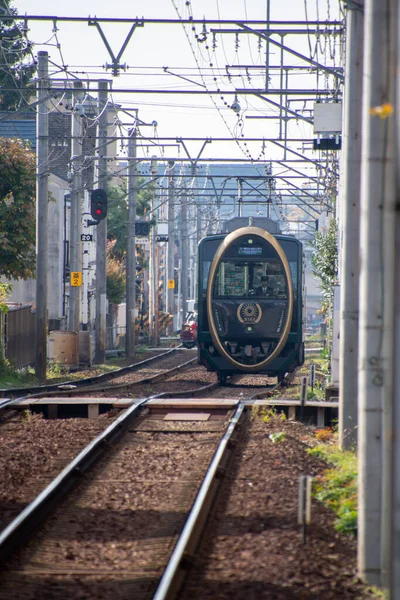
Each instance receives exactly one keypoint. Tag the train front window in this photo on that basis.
(232, 279)
(240, 279)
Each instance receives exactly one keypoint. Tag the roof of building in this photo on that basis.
(24, 129)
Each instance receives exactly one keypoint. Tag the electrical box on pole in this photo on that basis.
(98, 204)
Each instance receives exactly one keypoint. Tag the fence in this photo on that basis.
(19, 335)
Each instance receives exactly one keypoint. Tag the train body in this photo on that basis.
(188, 334)
(250, 300)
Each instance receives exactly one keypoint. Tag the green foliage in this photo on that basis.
(318, 393)
(116, 278)
(17, 210)
(337, 488)
(117, 216)
(55, 370)
(5, 290)
(266, 413)
(26, 416)
(276, 438)
(324, 258)
(15, 52)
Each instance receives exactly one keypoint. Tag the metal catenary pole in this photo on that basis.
(350, 226)
(75, 215)
(42, 219)
(152, 262)
(157, 295)
(101, 231)
(376, 283)
(171, 244)
(184, 250)
(131, 249)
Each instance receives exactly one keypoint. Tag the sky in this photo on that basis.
(77, 50)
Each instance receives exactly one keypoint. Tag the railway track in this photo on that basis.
(136, 487)
(81, 554)
(148, 377)
(120, 380)
(11, 394)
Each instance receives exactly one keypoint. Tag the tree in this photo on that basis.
(324, 259)
(118, 215)
(17, 209)
(15, 71)
(116, 280)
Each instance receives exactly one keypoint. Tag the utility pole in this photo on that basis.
(75, 215)
(101, 231)
(157, 295)
(267, 46)
(377, 210)
(42, 218)
(152, 262)
(131, 248)
(171, 243)
(350, 226)
(394, 511)
(184, 248)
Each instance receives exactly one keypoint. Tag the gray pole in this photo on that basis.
(350, 205)
(75, 243)
(101, 231)
(171, 242)
(42, 219)
(267, 46)
(184, 252)
(376, 284)
(240, 197)
(152, 261)
(394, 512)
(131, 250)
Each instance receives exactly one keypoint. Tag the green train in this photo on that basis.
(250, 300)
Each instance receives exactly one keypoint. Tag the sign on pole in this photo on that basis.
(171, 284)
(76, 278)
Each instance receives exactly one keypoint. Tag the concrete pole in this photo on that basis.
(184, 247)
(157, 295)
(376, 283)
(42, 218)
(394, 512)
(171, 243)
(131, 249)
(152, 263)
(267, 46)
(75, 243)
(101, 231)
(350, 227)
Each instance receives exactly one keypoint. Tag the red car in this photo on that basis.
(188, 334)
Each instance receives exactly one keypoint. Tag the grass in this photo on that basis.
(337, 487)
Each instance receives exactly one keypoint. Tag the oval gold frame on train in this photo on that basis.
(230, 238)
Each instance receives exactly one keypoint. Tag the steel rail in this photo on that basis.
(32, 516)
(120, 387)
(37, 391)
(189, 538)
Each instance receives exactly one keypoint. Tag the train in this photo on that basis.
(188, 333)
(250, 300)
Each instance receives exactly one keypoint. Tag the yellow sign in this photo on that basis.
(171, 284)
(76, 278)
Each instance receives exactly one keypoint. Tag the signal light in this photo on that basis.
(98, 204)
